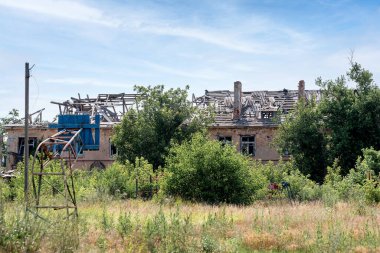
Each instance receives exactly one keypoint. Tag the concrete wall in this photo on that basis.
(263, 139)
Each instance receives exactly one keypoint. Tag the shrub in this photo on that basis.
(359, 184)
(118, 180)
(301, 187)
(115, 180)
(205, 170)
(371, 192)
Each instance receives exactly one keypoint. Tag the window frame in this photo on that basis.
(266, 115)
(111, 148)
(223, 139)
(248, 143)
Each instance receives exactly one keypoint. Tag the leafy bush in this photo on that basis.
(204, 170)
(115, 180)
(118, 180)
(361, 181)
(301, 187)
(371, 192)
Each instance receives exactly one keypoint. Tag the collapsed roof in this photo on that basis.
(256, 107)
(111, 107)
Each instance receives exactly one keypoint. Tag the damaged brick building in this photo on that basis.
(246, 118)
(243, 118)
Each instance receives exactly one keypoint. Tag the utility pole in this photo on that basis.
(26, 133)
(1, 148)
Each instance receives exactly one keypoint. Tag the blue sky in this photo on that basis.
(91, 47)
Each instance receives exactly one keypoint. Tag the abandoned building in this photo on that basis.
(244, 119)
(248, 119)
(111, 107)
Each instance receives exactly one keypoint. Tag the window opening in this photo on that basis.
(225, 140)
(248, 145)
(113, 149)
(267, 115)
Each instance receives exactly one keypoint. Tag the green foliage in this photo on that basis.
(161, 118)
(360, 184)
(115, 180)
(204, 170)
(216, 226)
(51, 186)
(301, 134)
(19, 234)
(169, 234)
(11, 118)
(118, 180)
(124, 225)
(370, 161)
(301, 187)
(352, 116)
(343, 123)
(106, 221)
(371, 191)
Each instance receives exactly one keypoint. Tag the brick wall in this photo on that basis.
(263, 139)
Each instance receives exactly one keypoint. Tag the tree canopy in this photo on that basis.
(161, 117)
(11, 118)
(345, 121)
(301, 135)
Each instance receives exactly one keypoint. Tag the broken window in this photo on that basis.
(32, 145)
(113, 149)
(267, 115)
(225, 140)
(248, 145)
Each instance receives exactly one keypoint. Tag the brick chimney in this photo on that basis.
(301, 89)
(237, 100)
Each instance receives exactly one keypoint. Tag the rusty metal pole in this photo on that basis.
(26, 133)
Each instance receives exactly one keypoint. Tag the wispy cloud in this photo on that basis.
(65, 9)
(245, 37)
(207, 36)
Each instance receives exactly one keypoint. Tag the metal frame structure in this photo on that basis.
(110, 106)
(75, 135)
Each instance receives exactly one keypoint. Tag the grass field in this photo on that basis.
(146, 226)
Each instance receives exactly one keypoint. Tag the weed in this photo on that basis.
(124, 226)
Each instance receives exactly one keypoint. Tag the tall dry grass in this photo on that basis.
(145, 226)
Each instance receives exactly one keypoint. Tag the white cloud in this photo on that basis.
(245, 37)
(210, 37)
(65, 9)
(236, 39)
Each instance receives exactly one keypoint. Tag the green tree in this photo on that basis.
(205, 170)
(346, 121)
(301, 134)
(161, 117)
(11, 118)
(352, 116)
